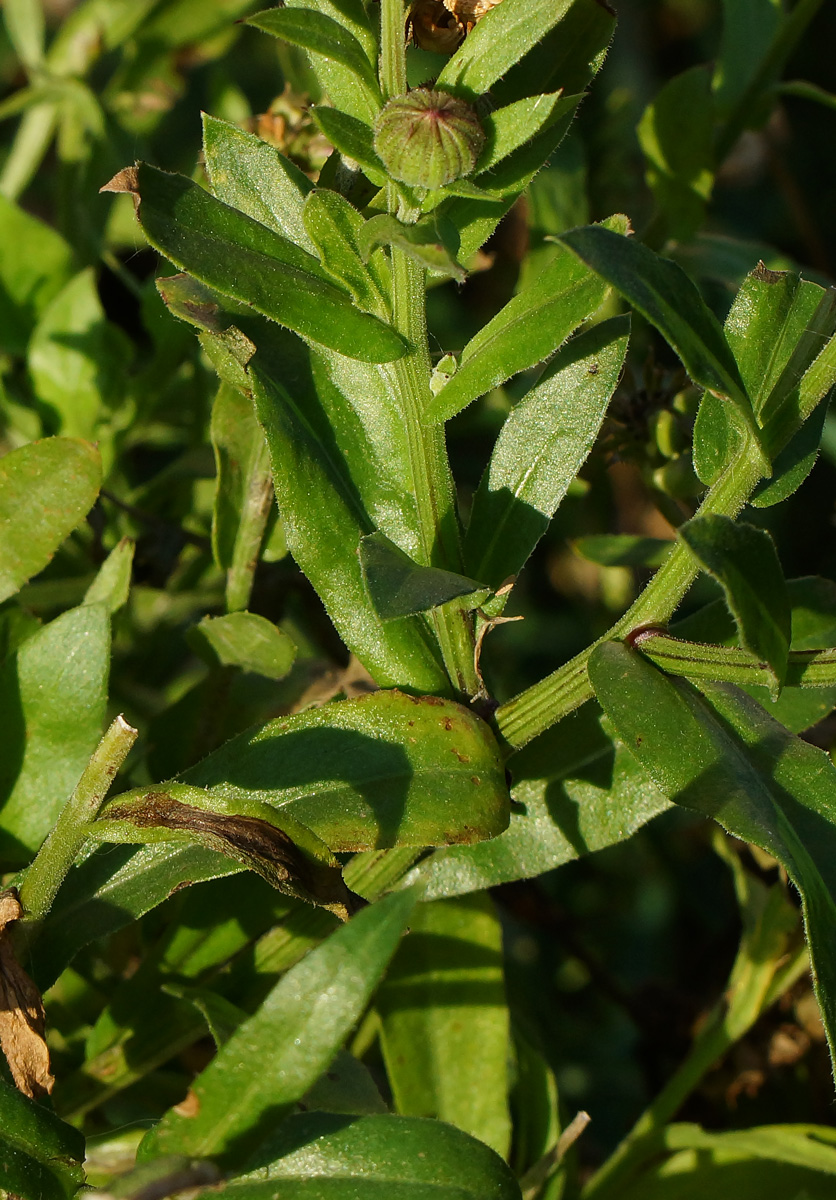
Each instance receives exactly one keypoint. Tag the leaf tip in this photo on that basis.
(126, 180)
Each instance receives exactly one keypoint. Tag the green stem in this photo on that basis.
(255, 513)
(59, 851)
(431, 479)
(540, 706)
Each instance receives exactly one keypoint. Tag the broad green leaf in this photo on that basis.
(26, 27)
(251, 175)
(321, 34)
(324, 1156)
(113, 581)
(352, 16)
(383, 770)
(301, 417)
(78, 361)
(722, 755)
(40, 1156)
(662, 292)
(748, 29)
(775, 329)
(340, 83)
(540, 449)
(275, 1056)
(676, 136)
(243, 491)
(35, 265)
(398, 586)
(574, 793)
(53, 692)
(112, 887)
(743, 560)
(46, 489)
(432, 242)
(243, 259)
(529, 328)
(245, 640)
(500, 39)
(354, 138)
(336, 229)
(623, 549)
(769, 1162)
(445, 1033)
(794, 463)
(506, 129)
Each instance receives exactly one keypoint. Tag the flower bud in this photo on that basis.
(428, 138)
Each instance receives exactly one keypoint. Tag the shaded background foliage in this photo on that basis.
(611, 961)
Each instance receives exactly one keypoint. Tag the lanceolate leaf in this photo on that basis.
(55, 483)
(529, 328)
(40, 1156)
(366, 1158)
(336, 229)
(743, 560)
(53, 693)
(426, 241)
(508, 128)
(445, 1035)
(540, 450)
(249, 262)
(251, 175)
(662, 292)
(500, 39)
(274, 1057)
(323, 35)
(353, 138)
(722, 755)
(399, 586)
(383, 770)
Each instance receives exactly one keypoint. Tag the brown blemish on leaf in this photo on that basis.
(448, 724)
(21, 1013)
(763, 274)
(463, 758)
(474, 779)
(249, 840)
(189, 1107)
(126, 180)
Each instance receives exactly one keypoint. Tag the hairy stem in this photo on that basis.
(59, 851)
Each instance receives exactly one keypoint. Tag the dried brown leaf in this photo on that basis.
(21, 1012)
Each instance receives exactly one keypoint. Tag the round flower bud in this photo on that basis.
(428, 138)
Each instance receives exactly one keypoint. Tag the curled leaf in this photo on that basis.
(21, 1013)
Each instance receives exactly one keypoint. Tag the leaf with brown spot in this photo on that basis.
(21, 1013)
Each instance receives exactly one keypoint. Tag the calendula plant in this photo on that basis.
(317, 815)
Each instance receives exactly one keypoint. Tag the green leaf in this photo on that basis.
(321, 34)
(769, 1162)
(748, 29)
(540, 449)
(499, 40)
(794, 463)
(54, 483)
(302, 417)
(113, 581)
(529, 328)
(243, 259)
(574, 793)
(53, 692)
(26, 27)
(245, 640)
(725, 757)
(623, 550)
(336, 229)
(40, 1156)
(432, 242)
(383, 770)
(35, 265)
(275, 1056)
(506, 129)
(251, 175)
(346, 1087)
(445, 1033)
(676, 135)
(401, 1158)
(112, 887)
(662, 292)
(398, 585)
(353, 138)
(242, 472)
(744, 561)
